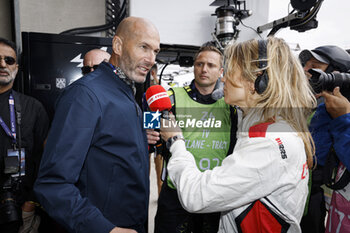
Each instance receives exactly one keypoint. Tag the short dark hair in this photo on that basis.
(211, 48)
(9, 43)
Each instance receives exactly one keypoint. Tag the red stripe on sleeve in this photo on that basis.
(258, 131)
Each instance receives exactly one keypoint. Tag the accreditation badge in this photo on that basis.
(12, 152)
(345, 192)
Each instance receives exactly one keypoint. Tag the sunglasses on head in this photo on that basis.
(87, 69)
(8, 60)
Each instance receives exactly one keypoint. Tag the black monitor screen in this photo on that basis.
(51, 62)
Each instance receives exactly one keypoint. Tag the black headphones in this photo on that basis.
(262, 80)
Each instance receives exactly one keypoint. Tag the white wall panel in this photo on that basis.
(55, 16)
(5, 20)
(190, 21)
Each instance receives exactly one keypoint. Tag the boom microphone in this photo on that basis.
(218, 92)
(158, 99)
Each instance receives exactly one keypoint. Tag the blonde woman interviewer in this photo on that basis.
(262, 186)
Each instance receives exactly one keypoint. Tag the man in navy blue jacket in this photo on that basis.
(94, 172)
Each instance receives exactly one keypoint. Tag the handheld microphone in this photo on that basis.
(218, 92)
(158, 99)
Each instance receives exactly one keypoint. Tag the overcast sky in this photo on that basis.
(333, 28)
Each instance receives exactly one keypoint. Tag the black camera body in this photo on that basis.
(9, 209)
(322, 81)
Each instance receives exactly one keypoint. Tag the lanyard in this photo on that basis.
(113, 68)
(11, 133)
(120, 74)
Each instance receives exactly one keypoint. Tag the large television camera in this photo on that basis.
(229, 14)
(301, 19)
(322, 81)
(9, 190)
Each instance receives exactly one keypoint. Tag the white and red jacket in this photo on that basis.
(261, 187)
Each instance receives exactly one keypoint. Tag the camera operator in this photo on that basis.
(24, 126)
(328, 67)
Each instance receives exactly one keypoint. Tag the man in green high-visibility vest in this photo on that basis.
(209, 127)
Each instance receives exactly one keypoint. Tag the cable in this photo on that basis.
(114, 16)
(289, 4)
(168, 63)
(161, 73)
(118, 14)
(250, 28)
(84, 30)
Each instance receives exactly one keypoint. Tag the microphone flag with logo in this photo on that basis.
(158, 99)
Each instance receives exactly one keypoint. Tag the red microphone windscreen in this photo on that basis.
(157, 98)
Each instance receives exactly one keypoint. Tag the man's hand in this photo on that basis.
(122, 230)
(336, 104)
(152, 136)
(28, 206)
(31, 221)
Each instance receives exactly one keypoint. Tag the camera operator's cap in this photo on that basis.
(335, 56)
(306, 55)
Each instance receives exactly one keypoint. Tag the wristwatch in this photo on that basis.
(171, 140)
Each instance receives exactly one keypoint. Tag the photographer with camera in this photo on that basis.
(327, 68)
(24, 126)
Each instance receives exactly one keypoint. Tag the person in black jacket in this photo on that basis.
(24, 126)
